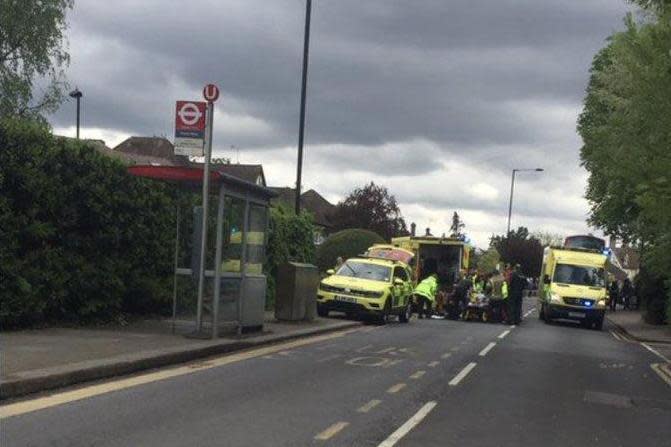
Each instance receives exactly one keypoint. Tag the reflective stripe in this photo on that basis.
(253, 238)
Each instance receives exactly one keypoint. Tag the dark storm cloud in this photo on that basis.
(437, 99)
(380, 71)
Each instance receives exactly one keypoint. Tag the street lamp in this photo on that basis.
(301, 126)
(77, 94)
(512, 189)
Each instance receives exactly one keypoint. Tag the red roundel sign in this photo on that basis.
(211, 92)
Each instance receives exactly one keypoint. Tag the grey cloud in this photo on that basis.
(495, 84)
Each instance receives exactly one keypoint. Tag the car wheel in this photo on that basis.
(541, 313)
(405, 315)
(322, 311)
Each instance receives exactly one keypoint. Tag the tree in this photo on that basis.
(457, 226)
(548, 239)
(371, 208)
(626, 138)
(488, 261)
(31, 49)
(658, 6)
(345, 244)
(519, 247)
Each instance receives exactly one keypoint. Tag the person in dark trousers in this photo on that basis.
(516, 291)
(627, 292)
(613, 294)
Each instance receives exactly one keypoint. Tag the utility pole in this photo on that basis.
(512, 190)
(77, 94)
(301, 127)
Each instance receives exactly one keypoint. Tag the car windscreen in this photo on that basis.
(581, 275)
(365, 271)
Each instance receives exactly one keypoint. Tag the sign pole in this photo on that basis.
(206, 192)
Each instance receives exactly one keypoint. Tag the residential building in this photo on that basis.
(313, 202)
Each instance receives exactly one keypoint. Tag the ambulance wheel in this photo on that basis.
(405, 314)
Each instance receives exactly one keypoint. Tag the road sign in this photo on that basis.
(211, 92)
(189, 128)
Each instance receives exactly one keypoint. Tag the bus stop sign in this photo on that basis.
(190, 128)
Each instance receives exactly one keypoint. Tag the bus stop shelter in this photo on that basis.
(235, 277)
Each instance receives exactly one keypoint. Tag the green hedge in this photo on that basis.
(346, 244)
(290, 239)
(80, 239)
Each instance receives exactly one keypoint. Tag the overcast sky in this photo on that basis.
(436, 99)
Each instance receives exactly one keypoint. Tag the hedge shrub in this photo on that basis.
(290, 239)
(80, 239)
(345, 243)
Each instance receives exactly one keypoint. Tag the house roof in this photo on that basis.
(151, 150)
(311, 201)
(159, 151)
(249, 173)
(629, 257)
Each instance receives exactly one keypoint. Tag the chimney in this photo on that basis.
(413, 228)
(428, 231)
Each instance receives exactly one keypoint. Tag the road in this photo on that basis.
(428, 383)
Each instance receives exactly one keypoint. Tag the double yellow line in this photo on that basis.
(53, 400)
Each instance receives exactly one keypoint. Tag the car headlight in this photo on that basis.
(554, 298)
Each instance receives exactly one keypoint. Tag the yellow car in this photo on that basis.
(367, 286)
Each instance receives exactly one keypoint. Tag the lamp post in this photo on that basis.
(512, 189)
(77, 94)
(301, 126)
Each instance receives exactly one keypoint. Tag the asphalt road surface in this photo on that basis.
(427, 383)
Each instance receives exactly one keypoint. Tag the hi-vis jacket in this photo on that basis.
(427, 288)
(499, 287)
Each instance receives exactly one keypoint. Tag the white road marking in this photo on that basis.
(615, 335)
(661, 373)
(504, 333)
(529, 312)
(418, 375)
(433, 364)
(408, 425)
(369, 406)
(331, 431)
(396, 388)
(454, 349)
(654, 351)
(513, 326)
(487, 349)
(446, 355)
(384, 351)
(462, 374)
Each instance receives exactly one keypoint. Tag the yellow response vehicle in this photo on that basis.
(574, 286)
(442, 255)
(367, 285)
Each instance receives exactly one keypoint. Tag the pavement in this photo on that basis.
(631, 322)
(42, 359)
(426, 383)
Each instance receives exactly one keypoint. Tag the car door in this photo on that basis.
(401, 291)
